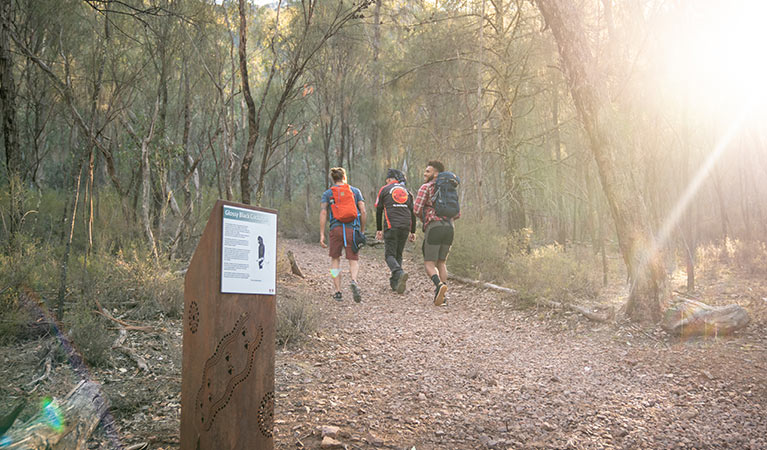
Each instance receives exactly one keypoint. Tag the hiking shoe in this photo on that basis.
(401, 284)
(337, 296)
(439, 294)
(356, 293)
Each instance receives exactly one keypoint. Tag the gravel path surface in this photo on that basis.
(397, 372)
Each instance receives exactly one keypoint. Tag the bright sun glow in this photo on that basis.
(718, 51)
(714, 53)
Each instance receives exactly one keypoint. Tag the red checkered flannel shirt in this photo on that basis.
(423, 207)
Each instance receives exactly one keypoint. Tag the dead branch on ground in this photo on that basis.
(118, 345)
(544, 302)
(125, 325)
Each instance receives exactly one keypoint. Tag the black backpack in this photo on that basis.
(445, 199)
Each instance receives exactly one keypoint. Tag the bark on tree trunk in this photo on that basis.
(557, 144)
(517, 216)
(13, 160)
(688, 240)
(722, 213)
(377, 87)
(77, 172)
(146, 185)
(590, 95)
(247, 157)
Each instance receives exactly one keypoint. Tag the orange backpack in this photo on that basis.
(343, 206)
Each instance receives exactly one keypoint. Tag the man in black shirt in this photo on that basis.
(395, 224)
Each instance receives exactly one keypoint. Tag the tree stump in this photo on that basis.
(689, 318)
(294, 268)
(63, 426)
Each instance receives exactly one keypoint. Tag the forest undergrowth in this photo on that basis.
(123, 287)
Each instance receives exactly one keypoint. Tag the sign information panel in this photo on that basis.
(248, 251)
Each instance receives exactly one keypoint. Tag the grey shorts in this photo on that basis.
(437, 240)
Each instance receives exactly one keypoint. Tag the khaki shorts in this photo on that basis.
(437, 240)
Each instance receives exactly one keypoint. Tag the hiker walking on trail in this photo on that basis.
(346, 208)
(395, 224)
(437, 206)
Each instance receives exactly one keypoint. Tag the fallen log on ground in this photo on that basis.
(589, 314)
(64, 425)
(544, 302)
(481, 284)
(687, 318)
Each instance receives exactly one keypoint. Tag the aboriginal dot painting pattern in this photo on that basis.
(193, 317)
(266, 415)
(232, 361)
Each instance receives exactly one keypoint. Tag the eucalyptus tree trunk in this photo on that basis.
(13, 159)
(377, 85)
(592, 101)
(146, 184)
(723, 216)
(95, 95)
(160, 188)
(190, 168)
(688, 240)
(556, 141)
(253, 124)
(517, 214)
(478, 170)
(70, 216)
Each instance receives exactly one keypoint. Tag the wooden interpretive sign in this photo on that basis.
(227, 378)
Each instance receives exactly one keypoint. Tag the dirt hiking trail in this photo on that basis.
(394, 371)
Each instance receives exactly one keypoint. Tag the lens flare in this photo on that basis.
(51, 414)
(703, 172)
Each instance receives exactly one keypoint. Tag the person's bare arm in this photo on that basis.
(363, 215)
(323, 222)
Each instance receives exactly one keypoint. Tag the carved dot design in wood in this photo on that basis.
(230, 365)
(193, 317)
(266, 415)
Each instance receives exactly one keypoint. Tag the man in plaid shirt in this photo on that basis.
(438, 232)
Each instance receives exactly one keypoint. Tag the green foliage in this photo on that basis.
(132, 280)
(484, 251)
(124, 402)
(89, 335)
(549, 272)
(294, 222)
(296, 317)
(709, 260)
(479, 251)
(13, 320)
(30, 266)
(750, 256)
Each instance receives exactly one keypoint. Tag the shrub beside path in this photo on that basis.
(397, 372)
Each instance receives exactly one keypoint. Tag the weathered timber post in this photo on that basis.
(227, 386)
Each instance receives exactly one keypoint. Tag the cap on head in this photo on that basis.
(397, 175)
